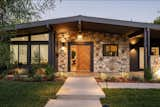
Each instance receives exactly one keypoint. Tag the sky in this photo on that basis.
(130, 10)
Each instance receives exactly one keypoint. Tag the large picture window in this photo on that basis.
(19, 54)
(36, 45)
(110, 50)
(39, 54)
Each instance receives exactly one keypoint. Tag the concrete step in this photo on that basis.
(73, 103)
(81, 97)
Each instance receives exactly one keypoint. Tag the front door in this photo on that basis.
(80, 57)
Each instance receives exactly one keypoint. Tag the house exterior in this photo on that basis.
(88, 44)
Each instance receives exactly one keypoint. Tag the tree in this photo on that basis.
(19, 11)
(157, 20)
(14, 12)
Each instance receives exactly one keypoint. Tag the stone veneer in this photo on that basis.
(102, 63)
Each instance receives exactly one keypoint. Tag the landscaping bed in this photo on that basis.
(27, 94)
(132, 98)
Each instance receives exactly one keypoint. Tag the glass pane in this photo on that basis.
(35, 56)
(14, 50)
(25, 38)
(155, 51)
(23, 54)
(40, 37)
(141, 57)
(44, 54)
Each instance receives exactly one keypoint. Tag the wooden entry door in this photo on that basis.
(83, 58)
(80, 57)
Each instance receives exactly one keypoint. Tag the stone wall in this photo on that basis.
(102, 63)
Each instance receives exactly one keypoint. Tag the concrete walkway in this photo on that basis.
(79, 91)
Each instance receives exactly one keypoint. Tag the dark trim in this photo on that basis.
(138, 32)
(91, 53)
(30, 34)
(88, 19)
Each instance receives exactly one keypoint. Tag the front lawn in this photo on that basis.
(27, 94)
(132, 98)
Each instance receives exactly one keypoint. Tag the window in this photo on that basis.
(110, 50)
(25, 38)
(44, 54)
(155, 51)
(23, 54)
(39, 54)
(19, 54)
(14, 50)
(40, 37)
(141, 57)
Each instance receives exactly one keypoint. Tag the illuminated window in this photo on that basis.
(141, 57)
(110, 50)
(43, 54)
(39, 54)
(25, 38)
(23, 54)
(40, 37)
(19, 54)
(155, 51)
(14, 51)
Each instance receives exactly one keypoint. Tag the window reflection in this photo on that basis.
(39, 54)
(35, 55)
(19, 54)
(14, 51)
(44, 54)
(23, 54)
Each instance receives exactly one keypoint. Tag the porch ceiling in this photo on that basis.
(96, 27)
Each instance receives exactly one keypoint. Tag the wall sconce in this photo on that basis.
(79, 36)
(133, 41)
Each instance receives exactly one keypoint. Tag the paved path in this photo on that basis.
(79, 91)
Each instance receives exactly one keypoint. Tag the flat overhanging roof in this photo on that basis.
(88, 23)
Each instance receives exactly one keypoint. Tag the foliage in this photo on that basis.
(157, 20)
(32, 72)
(27, 94)
(147, 74)
(5, 56)
(50, 71)
(20, 11)
(37, 78)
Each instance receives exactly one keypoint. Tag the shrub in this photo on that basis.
(147, 74)
(38, 78)
(32, 71)
(50, 72)
(103, 76)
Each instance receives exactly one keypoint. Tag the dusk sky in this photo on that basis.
(132, 10)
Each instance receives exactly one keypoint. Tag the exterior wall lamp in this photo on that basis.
(79, 36)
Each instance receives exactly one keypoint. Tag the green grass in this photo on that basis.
(27, 94)
(132, 98)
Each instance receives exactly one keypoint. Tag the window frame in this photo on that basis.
(104, 49)
(29, 43)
